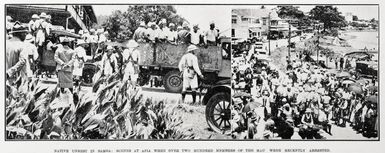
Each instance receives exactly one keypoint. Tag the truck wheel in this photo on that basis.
(218, 113)
(172, 82)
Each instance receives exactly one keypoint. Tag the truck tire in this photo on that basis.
(172, 82)
(218, 113)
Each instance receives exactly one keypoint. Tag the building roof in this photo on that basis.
(257, 13)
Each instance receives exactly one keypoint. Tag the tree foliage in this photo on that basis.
(355, 18)
(288, 11)
(328, 15)
(121, 25)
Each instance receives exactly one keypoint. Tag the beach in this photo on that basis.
(360, 40)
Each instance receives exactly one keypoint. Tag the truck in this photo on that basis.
(162, 59)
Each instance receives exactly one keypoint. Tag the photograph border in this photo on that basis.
(210, 4)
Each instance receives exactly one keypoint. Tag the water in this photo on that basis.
(364, 39)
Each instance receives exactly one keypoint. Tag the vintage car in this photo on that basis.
(218, 106)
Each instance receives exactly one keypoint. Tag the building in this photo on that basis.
(250, 23)
(349, 17)
(78, 17)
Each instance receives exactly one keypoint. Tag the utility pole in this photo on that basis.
(318, 35)
(268, 32)
(288, 46)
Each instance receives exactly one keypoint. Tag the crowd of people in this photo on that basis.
(270, 102)
(171, 33)
(34, 51)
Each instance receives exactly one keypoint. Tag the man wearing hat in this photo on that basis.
(109, 62)
(172, 33)
(42, 30)
(162, 30)
(131, 58)
(8, 24)
(140, 33)
(31, 52)
(196, 35)
(80, 55)
(35, 17)
(184, 34)
(93, 40)
(65, 57)
(190, 68)
(152, 32)
(16, 58)
(211, 35)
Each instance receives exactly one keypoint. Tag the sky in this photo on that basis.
(366, 12)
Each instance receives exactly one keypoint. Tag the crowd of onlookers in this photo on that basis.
(305, 96)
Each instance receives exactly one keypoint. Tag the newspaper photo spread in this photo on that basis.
(191, 77)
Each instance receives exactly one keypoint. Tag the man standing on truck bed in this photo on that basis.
(211, 35)
(190, 68)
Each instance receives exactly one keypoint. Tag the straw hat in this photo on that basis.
(192, 48)
(171, 25)
(18, 28)
(35, 16)
(65, 40)
(43, 15)
(110, 48)
(237, 101)
(29, 38)
(308, 110)
(185, 24)
(81, 42)
(142, 24)
(132, 44)
(9, 18)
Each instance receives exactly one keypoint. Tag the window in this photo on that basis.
(264, 22)
(256, 21)
(244, 19)
(232, 32)
(234, 21)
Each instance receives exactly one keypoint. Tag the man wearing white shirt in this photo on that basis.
(162, 31)
(172, 34)
(195, 35)
(211, 35)
(190, 68)
(80, 58)
(151, 32)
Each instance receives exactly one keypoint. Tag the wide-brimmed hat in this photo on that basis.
(142, 24)
(65, 40)
(237, 101)
(171, 24)
(192, 48)
(35, 16)
(308, 110)
(185, 24)
(132, 44)
(9, 18)
(81, 42)
(110, 48)
(196, 26)
(43, 15)
(18, 28)
(29, 38)
(92, 30)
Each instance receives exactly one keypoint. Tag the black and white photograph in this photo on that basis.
(117, 72)
(305, 72)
